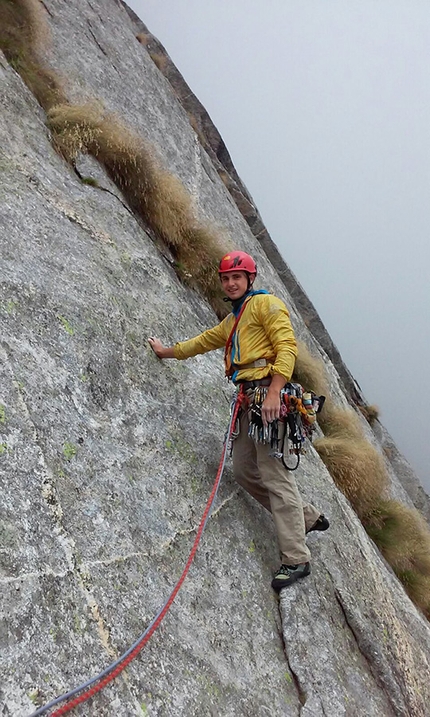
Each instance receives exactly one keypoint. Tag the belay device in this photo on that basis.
(287, 434)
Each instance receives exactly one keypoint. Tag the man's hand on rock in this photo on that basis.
(161, 351)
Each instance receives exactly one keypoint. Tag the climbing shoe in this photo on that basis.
(320, 524)
(288, 574)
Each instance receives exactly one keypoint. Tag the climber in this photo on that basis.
(260, 352)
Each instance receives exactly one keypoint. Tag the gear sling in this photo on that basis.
(297, 414)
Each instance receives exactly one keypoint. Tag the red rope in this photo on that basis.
(119, 668)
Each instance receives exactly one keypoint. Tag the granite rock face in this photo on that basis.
(108, 455)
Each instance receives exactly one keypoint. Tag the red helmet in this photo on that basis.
(237, 261)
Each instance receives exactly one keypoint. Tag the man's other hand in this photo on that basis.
(271, 407)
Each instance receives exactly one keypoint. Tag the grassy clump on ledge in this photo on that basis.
(156, 195)
(23, 32)
(354, 464)
(310, 372)
(152, 192)
(359, 471)
(403, 538)
(159, 60)
(370, 413)
(337, 422)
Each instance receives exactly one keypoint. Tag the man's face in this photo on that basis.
(235, 283)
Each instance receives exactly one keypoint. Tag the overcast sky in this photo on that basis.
(324, 106)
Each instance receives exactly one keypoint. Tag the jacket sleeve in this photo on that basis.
(277, 325)
(207, 341)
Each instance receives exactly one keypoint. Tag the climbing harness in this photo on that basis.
(113, 670)
(297, 422)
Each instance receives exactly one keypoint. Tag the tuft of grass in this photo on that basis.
(23, 33)
(69, 450)
(417, 587)
(75, 128)
(309, 371)
(156, 195)
(370, 413)
(201, 252)
(159, 60)
(357, 469)
(339, 422)
(143, 38)
(403, 537)
(388, 452)
(66, 324)
(90, 181)
(225, 177)
(196, 127)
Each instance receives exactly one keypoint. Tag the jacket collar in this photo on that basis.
(238, 303)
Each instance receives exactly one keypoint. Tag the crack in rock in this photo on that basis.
(33, 575)
(301, 692)
(370, 661)
(109, 191)
(187, 531)
(50, 495)
(115, 559)
(95, 39)
(48, 10)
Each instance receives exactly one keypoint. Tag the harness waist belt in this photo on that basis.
(253, 384)
(259, 363)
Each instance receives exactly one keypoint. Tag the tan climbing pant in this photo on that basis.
(264, 477)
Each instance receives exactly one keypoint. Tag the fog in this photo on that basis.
(325, 110)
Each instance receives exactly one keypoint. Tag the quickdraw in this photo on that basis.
(297, 422)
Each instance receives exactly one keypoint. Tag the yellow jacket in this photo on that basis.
(264, 331)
